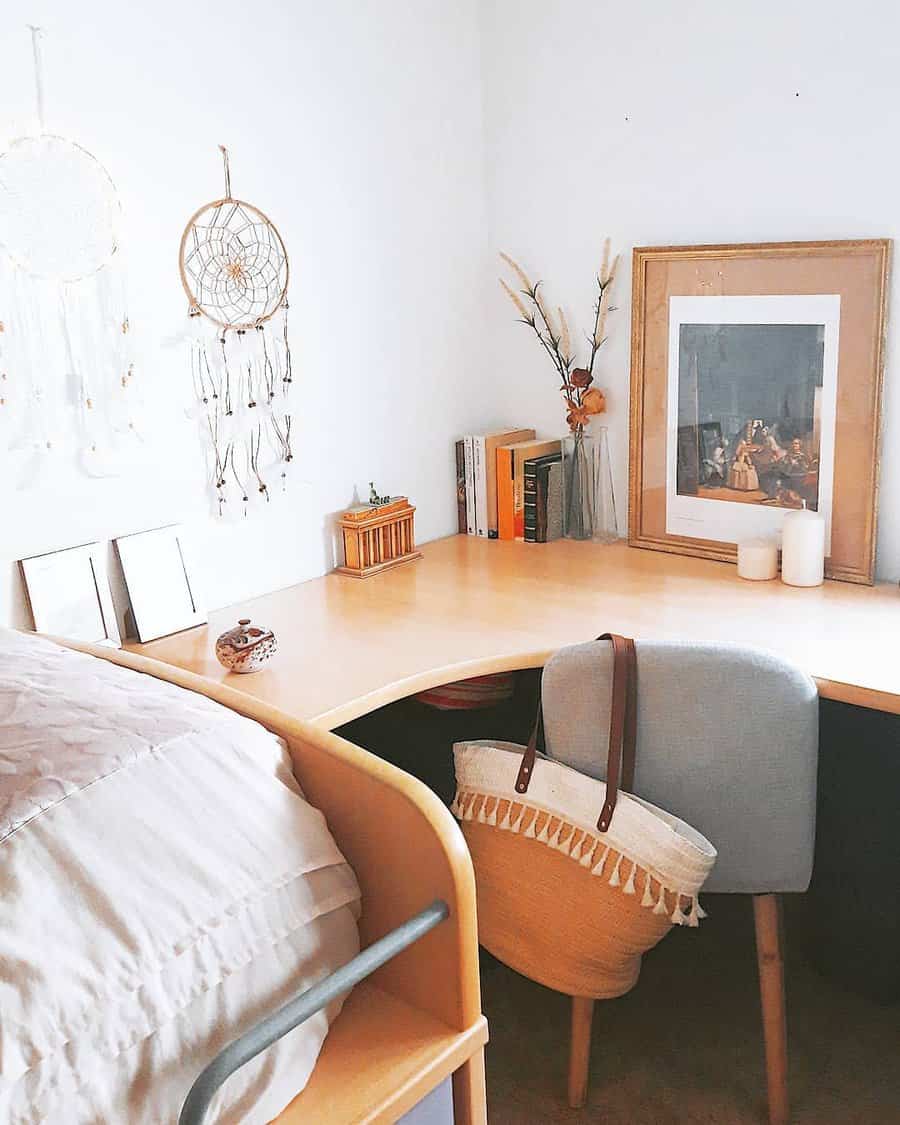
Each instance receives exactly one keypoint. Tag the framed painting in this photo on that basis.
(756, 374)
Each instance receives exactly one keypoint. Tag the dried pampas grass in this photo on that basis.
(555, 337)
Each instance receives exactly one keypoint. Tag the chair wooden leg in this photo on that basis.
(580, 1049)
(770, 957)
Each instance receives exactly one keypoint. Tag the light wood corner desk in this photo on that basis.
(472, 606)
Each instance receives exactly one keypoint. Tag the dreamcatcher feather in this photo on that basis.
(66, 368)
(234, 268)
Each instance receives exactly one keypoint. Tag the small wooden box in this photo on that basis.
(377, 537)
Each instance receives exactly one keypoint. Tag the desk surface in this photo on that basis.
(470, 606)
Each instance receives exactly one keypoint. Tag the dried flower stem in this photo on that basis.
(562, 364)
(515, 298)
(565, 338)
(557, 342)
(518, 271)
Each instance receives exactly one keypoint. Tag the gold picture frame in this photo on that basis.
(790, 336)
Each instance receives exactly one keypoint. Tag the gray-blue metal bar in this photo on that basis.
(296, 1011)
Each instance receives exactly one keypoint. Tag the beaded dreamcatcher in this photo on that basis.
(66, 367)
(234, 269)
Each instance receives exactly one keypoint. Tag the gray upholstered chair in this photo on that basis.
(728, 740)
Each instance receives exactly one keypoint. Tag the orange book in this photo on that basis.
(510, 483)
(491, 444)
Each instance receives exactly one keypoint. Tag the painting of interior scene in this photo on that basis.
(749, 413)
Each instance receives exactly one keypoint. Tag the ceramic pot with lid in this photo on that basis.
(246, 647)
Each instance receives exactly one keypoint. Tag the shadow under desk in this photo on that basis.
(847, 924)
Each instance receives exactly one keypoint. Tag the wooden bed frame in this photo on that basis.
(418, 1019)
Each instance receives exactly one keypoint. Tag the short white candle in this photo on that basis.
(803, 549)
(758, 559)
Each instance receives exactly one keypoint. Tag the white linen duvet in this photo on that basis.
(163, 886)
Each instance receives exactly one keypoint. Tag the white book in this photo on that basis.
(481, 490)
(470, 486)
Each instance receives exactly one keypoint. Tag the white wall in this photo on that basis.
(356, 124)
(399, 142)
(702, 121)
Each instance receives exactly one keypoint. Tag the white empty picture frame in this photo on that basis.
(68, 592)
(160, 587)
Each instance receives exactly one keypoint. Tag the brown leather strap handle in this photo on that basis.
(620, 761)
(622, 725)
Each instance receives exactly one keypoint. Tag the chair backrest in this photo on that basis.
(727, 739)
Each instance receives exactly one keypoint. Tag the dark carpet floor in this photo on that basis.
(686, 1044)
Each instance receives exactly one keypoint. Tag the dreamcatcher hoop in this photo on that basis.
(67, 361)
(61, 212)
(234, 267)
(234, 270)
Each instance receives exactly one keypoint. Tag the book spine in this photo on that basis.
(542, 477)
(553, 509)
(518, 498)
(461, 524)
(478, 456)
(529, 490)
(505, 516)
(470, 487)
(490, 471)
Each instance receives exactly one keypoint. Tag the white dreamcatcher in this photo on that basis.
(66, 368)
(234, 269)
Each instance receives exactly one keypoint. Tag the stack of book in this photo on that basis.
(508, 486)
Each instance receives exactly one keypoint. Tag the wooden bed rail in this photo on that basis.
(400, 839)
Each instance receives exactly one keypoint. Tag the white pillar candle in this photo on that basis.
(803, 549)
(758, 559)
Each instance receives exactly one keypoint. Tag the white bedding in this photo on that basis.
(163, 885)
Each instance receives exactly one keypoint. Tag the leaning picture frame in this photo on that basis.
(69, 595)
(756, 380)
(159, 577)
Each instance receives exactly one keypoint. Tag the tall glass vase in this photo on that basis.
(589, 507)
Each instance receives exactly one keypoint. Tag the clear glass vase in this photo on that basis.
(589, 506)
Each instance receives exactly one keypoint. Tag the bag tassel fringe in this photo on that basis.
(598, 868)
(582, 849)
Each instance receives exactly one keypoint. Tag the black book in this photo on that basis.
(461, 516)
(535, 488)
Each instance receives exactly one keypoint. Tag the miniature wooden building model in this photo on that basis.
(378, 536)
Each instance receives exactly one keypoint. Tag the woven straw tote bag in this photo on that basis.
(566, 897)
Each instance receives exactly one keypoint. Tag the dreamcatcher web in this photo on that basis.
(60, 213)
(234, 269)
(236, 265)
(65, 348)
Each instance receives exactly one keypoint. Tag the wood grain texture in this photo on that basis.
(406, 850)
(770, 960)
(380, 1058)
(580, 1049)
(469, 1093)
(474, 606)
